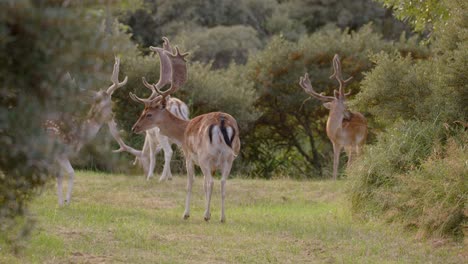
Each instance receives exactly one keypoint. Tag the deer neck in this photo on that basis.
(334, 122)
(89, 129)
(173, 127)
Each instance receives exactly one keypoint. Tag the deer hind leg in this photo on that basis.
(208, 186)
(358, 150)
(349, 151)
(190, 179)
(67, 167)
(336, 159)
(226, 170)
(166, 146)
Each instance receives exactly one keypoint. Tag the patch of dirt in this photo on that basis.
(79, 257)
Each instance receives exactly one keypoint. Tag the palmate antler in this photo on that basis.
(339, 77)
(165, 71)
(173, 69)
(179, 72)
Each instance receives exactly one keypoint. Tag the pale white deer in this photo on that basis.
(210, 140)
(74, 136)
(344, 128)
(154, 141)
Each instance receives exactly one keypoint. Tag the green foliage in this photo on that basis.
(412, 176)
(433, 198)
(314, 14)
(222, 45)
(403, 147)
(188, 19)
(224, 90)
(416, 171)
(423, 14)
(43, 43)
(391, 97)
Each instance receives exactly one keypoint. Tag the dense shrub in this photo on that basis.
(412, 175)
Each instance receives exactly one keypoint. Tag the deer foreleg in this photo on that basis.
(150, 155)
(190, 179)
(336, 159)
(166, 146)
(60, 186)
(67, 167)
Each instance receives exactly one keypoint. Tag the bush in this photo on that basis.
(43, 43)
(414, 175)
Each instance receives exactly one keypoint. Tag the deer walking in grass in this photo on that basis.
(74, 137)
(345, 129)
(154, 140)
(210, 140)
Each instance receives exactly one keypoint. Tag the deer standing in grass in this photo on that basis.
(210, 140)
(344, 128)
(75, 136)
(154, 140)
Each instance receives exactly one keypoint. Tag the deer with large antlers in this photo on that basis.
(78, 134)
(155, 141)
(210, 140)
(345, 129)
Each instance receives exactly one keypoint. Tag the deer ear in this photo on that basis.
(327, 105)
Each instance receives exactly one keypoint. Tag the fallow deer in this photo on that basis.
(75, 136)
(344, 128)
(154, 141)
(210, 140)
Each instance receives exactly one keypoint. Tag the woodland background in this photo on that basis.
(409, 80)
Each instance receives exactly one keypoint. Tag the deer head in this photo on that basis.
(155, 106)
(101, 109)
(335, 103)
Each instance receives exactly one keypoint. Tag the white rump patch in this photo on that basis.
(217, 136)
(230, 132)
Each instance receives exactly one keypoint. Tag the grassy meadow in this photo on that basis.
(126, 219)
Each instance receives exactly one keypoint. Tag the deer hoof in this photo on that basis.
(207, 217)
(186, 216)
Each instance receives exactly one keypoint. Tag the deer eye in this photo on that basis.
(149, 115)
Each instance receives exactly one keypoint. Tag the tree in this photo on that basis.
(220, 45)
(423, 15)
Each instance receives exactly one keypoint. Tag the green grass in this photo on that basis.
(125, 219)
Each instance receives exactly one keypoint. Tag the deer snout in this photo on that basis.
(136, 129)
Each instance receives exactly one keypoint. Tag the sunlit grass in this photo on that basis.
(117, 218)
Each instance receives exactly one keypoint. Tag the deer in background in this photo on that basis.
(75, 136)
(154, 141)
(344, 128)
(210, 140)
